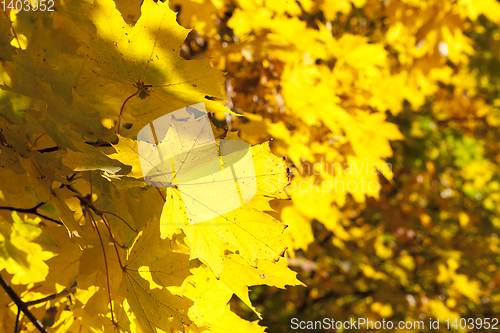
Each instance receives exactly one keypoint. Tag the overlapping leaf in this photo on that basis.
(81, 68)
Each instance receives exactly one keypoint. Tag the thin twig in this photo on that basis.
(161, 194)
(33, 211)
(90, 181)
(106, 223)
(21, 305)
(117, 216)
(51, 297)
(106, 265)
(100, 213)
(34, 142)
(16, 328)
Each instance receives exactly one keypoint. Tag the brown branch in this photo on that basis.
(51, 297)
(106, 223)
(33, 211)
(106, 266)
(21, 305)
(89, 204)
(117, 216)
(16, 328)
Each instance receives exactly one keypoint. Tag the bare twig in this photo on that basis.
(51, 297)
(106, 265)
(16, 328)
(33, 211)
(21, 305)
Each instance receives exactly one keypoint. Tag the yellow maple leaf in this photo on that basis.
(20, 254)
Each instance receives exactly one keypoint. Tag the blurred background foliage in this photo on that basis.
(399, 94)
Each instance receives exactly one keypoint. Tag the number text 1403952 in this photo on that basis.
(27, 5)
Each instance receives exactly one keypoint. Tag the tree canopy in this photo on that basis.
(372, 127)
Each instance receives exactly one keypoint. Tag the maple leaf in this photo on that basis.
(148, 278)
(271, 273)
(160, 244)
(210, 312)
(20, 254)
(139, 67)
(113, 69)
(200, 15)
(209, 239)
(128, 154)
